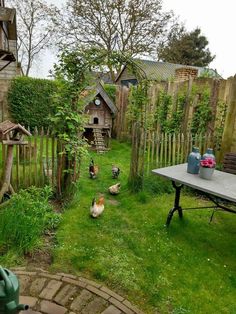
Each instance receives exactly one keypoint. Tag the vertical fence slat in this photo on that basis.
(148, 151)
(47, 155)
(157, 148)
(23, 165)
(3, 158)
(153, 147)
(165, 149)
(17, 167)
(30, 160)
(35, 156)
(178, 148)
(53, 160)
(41, 161)
(161, 149)
(169, 149)
(174, 150)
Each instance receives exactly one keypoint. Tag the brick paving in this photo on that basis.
(61, 293)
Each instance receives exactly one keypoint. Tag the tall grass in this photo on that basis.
(25, 219)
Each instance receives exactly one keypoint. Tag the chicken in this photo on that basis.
(115, 172)
(114, 189)
(93, 170)
(97, 207)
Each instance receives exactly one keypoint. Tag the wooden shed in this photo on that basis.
(101, 111)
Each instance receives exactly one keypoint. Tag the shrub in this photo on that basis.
(30, 101)
(25, 219)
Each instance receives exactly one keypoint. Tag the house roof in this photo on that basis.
(156, 70)
(7, 14)
(99, 90)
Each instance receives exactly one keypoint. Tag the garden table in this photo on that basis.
(222, 186)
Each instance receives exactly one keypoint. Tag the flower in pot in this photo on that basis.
(207, 167)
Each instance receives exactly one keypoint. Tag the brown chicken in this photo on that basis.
(93, 169)
(97, 207)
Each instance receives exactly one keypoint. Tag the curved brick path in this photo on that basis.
(61, 293)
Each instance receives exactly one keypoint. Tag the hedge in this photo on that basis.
(30, 101)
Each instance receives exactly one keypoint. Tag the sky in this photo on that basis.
(216, 19)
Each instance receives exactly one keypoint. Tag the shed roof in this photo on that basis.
(156, 70)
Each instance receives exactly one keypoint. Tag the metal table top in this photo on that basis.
(222, 184)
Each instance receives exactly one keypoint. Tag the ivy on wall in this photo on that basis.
(30, 101)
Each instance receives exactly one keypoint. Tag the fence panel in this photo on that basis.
(171, 149)
(34, 163)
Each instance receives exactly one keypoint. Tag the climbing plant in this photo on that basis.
(138, 119)
(202, 114)
(219, 123)
(164, 102)
(70, 99)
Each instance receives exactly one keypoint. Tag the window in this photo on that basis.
(95, 120)
(129, 82)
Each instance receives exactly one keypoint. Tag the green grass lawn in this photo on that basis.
(188, 268)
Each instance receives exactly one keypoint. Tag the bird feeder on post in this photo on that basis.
(10, 134)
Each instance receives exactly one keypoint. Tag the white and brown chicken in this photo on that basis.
(97, 207)
(114, 189)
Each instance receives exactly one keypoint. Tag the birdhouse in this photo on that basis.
(12, 133)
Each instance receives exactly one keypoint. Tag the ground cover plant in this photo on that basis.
(188, 268)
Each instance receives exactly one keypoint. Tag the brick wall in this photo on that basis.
(185, 73)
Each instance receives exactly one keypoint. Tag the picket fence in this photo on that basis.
(34, 163)
(163, 149)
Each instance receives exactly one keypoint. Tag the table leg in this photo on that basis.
(176, 203)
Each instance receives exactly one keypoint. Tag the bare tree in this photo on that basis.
(35, 28)
(134, 27)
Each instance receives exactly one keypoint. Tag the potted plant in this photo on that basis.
(207, 167)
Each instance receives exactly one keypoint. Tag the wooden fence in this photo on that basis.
(222, 102)
(164, 149)
(34, 163)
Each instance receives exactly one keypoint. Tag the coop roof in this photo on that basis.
(8, 126)
(100, 90)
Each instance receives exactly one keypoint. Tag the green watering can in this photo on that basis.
(9, 293)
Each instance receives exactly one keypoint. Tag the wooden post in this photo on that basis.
(227, 138)
(7, 173)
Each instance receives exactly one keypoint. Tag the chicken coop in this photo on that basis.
(101, 111)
